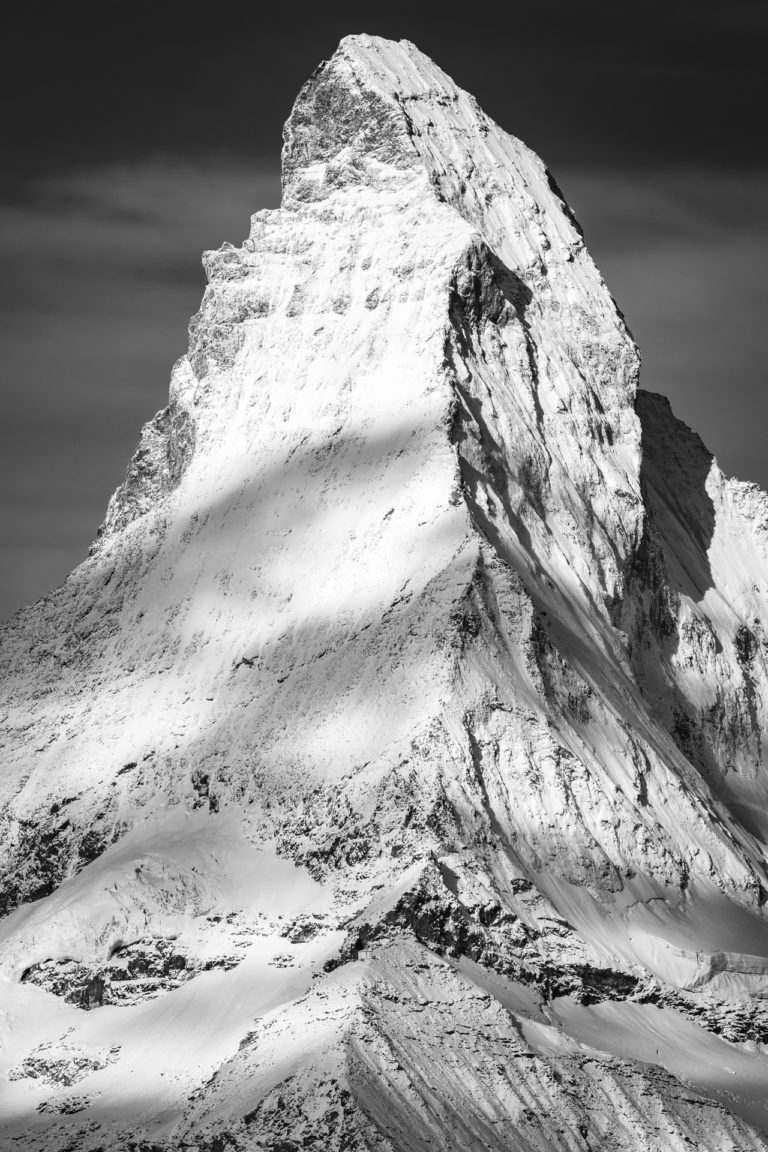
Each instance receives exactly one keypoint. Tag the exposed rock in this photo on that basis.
(133, 973)
(62, 1064)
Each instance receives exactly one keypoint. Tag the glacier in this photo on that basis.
(391, 774)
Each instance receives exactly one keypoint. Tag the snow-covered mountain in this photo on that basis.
(391, 775)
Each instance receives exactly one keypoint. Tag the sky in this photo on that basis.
(139, 134)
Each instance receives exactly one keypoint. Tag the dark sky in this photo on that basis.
(137, 134)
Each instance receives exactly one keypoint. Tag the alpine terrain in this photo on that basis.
(392, 774)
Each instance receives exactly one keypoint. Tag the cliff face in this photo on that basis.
(391, 773)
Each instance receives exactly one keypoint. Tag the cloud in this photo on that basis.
(684, 252)
(102, 272)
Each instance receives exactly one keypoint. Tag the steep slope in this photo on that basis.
(390, 775)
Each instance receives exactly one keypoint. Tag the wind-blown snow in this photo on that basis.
(391, 774)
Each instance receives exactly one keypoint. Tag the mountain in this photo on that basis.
(391, 774)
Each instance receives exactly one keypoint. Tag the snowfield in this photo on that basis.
(391, 775)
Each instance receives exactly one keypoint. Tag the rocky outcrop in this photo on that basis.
(391, 774)
(133, 973)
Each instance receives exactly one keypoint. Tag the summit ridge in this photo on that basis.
(391, 774)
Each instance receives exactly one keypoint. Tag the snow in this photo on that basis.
(411, 699)
(642, 1032)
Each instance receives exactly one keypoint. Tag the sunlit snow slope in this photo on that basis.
(392, 773)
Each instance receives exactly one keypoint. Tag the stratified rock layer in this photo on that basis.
(391, 774)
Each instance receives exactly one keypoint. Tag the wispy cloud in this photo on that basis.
(684, 252)
(102, 271)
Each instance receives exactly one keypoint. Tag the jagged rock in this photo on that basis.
(62, 1064)
(133, 973)
(412, 695)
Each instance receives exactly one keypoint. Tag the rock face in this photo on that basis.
(391, 775)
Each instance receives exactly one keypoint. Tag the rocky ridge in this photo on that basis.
(412, 695)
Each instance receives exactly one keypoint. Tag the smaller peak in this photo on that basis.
(350, 105)
(357, 106)
(364, 41)
(396, 67)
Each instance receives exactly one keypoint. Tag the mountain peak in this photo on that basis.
(381, 106)
(396, 758)
(348, 111)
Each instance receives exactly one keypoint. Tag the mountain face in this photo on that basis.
(391, 776)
